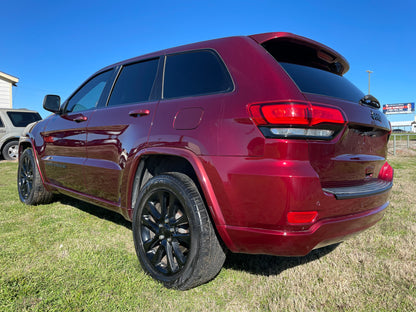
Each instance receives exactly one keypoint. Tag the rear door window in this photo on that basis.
(135, 83)
(195, 73)
(22, 119)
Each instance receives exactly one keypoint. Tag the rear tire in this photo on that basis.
(29, 182)
(173, 235)
(10, 150)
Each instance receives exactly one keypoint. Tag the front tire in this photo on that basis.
(173, 235)
(29, 181)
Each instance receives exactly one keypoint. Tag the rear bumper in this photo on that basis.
(255, 197)
(299, 243)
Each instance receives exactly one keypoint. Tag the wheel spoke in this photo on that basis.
(146, 222)
(151, 209)
(171, 265)
(27, 169)
(163, 200)
(22, 187)
(150, 243)
(28, 164)
(23, 170)
(181, 221)
(172, 207)
(183, 239)
(180, 257)
(29, 187)
(21, 174)
(157, 256)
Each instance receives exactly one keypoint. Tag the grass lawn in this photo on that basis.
(71, 256)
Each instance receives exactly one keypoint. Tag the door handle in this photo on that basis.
(81, 118)
(139, 112)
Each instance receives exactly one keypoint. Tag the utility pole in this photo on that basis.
(369, 73)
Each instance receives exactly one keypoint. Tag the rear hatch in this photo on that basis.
(347, 149)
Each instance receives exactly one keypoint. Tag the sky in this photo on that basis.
(54, 46)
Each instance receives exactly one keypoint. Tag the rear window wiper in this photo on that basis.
(370, 100)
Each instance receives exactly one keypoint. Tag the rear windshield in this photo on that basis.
(313, 80)
(22, 119)
(313, 70)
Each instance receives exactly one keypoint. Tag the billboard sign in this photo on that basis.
(399, 108)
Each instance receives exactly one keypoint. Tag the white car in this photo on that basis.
(12, 124)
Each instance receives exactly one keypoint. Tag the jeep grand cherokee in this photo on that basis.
(254, 144)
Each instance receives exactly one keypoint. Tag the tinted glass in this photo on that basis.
(1, 124)
(313, 80)
(289, 50)
(22, 119)
(195, 73)
(89, 95)
(134, 83)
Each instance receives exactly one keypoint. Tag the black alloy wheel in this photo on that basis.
(173, 234)
(165, 233)
(29, 182)
(25, 176)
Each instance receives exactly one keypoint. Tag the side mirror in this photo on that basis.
(52, 103)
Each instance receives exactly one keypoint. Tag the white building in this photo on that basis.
(6, 84)
(404, 125)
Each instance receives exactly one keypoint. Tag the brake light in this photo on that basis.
(297, 120)
(295, 114)
(322, 114)
(286, 114)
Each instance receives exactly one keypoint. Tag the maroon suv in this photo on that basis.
(251, 144)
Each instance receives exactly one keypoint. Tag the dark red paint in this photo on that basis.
(265, 195)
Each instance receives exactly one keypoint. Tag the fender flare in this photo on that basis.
(29, 140)
(208, 192)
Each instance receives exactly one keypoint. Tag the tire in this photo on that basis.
(173, 234)
(10, 150)
(29, 182)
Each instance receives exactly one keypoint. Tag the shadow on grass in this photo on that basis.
(255, 264)
(272, 265)
(94, 210)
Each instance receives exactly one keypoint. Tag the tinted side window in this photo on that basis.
(89, 95)
(134, 83)
(195, 73)
(21, 119)
(1, 123)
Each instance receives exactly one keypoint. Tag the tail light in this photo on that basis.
(297, 120)
(386, 172)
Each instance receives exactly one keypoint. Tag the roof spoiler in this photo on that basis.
(323, 52)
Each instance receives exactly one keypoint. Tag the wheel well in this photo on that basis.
(9, 140)
(23, 146)
(154, 165)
